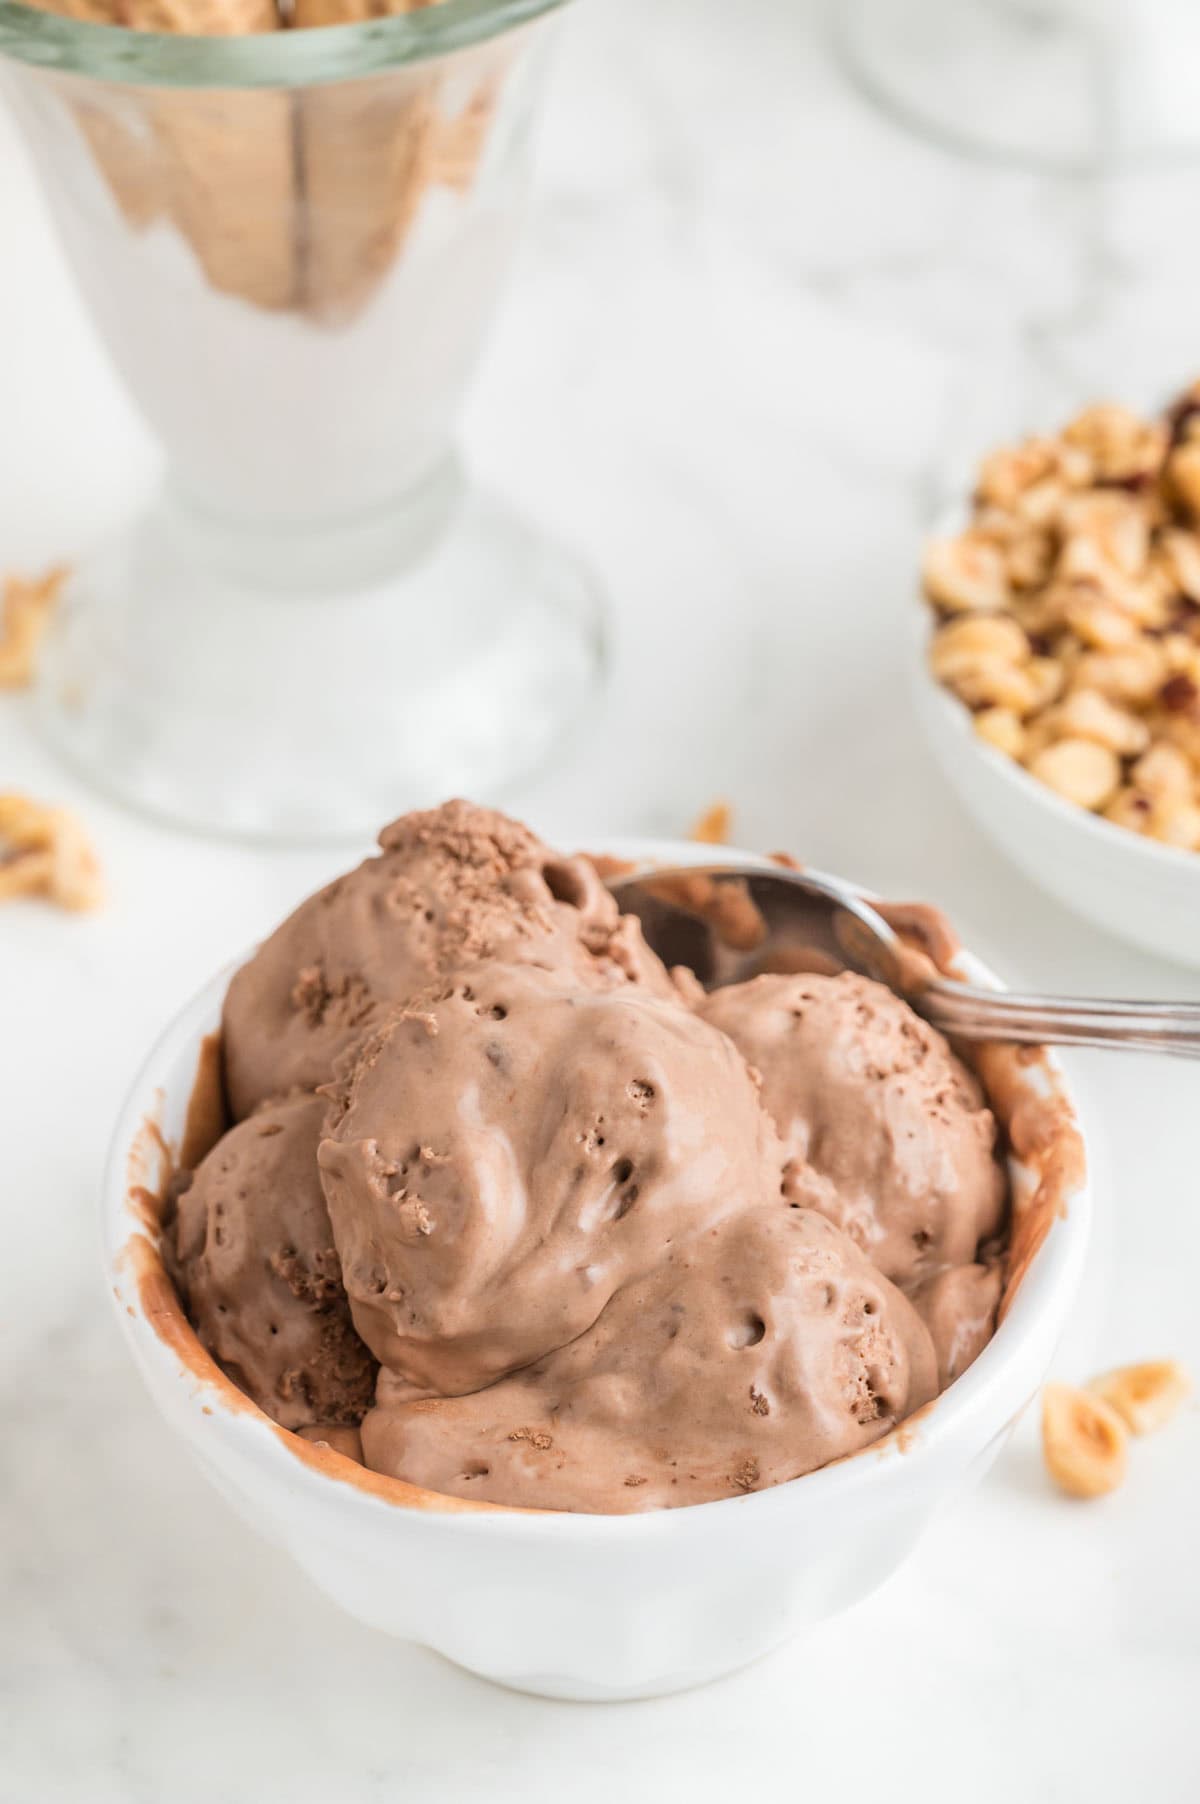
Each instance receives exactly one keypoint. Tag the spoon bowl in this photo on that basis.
(733, 920)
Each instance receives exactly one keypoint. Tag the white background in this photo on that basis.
(755, 337)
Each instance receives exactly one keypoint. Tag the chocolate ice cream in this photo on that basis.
(618, 1245)
(887, 1131)
(753, 1351)
(958, 1306)
(511, 1151)
(451, 886)
(256, 1260)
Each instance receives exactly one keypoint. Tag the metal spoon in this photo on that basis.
(740, 920)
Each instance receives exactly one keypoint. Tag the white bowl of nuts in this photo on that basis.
(1060, 679)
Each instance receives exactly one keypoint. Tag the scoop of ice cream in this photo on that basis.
(958, 1306)
(450, 886)
(339, 1437)
(887, 1130)
(256, 1263)
(756, 1351)
(509, 1151)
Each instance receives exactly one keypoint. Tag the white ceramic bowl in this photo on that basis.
(570, 1606)
(1139, 889)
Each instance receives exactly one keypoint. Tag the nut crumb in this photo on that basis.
(415, 1219)
(536, 1437)
(713, 826)
(758, 1402)
(25, 609)
(745, 1476)
(45, 852)
(633, 1480)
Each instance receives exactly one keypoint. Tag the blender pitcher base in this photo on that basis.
(216, 688)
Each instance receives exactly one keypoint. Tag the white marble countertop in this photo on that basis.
(755, 335)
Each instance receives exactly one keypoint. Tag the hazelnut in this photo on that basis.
(1002, 728)
(964, 575)
(1079, 770)
(1144, 1396)
(1084, 1442)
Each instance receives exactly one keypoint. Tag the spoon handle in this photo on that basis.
(973, 1014)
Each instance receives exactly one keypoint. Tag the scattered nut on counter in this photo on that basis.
(1084, 1441)
(1069, 614)
(712, 828)
(1144, 1396)
(1085, 1432)
(45, 852)
(25, 608)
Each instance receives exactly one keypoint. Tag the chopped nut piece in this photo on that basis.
(1079, 770)
(1105, 533)
(1043, 613)
(1030, 559)
(1164, 773)
(995, 683)
(1084, 1442)
(1040, 731)
(1086, 714)
(1121, 446)
(47, 854)
(1183, 478)
(965, 575)
(1006, 474)
(1048, 677)
(1133, 675)
(712, 828)
(1001, 728)
(25, 610)
(1180, 555)
(1183, 415)
(965, 644)
(1177, 824)
(1182, 657)
(1039, 505)
(1151, 604)
(1182, 730)
(1101, 624)
(1130, 808)
(1144, 1396)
